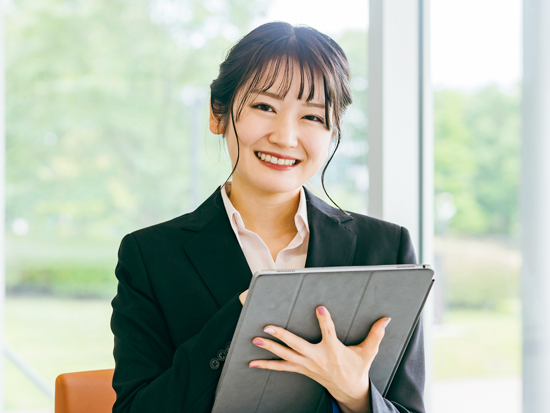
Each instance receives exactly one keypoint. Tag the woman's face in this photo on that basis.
(283, 142)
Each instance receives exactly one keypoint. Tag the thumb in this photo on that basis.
(371, 344)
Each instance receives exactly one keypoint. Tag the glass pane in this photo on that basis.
(477, 336)
(107, 114)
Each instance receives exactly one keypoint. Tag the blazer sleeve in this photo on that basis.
(151, 374)
(405, 394)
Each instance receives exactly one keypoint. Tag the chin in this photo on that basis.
(275, 187)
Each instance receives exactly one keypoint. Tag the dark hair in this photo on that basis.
(270, 49)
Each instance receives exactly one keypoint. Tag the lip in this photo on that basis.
(277, 167)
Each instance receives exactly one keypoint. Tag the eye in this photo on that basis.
(263, 107)
(314, 118)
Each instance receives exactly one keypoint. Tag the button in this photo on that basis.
(215, 364)
(222, 355)
(227, 345)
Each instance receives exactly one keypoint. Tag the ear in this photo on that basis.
(215, 125)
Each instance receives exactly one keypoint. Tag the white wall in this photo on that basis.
(535, 206)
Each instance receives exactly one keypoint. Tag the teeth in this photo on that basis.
(274, 160)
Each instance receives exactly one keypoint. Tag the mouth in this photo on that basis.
(273, 160)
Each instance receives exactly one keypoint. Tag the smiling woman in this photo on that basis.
(256, 70)
(278, 102)
(280, 129)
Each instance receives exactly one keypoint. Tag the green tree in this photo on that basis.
(96, 126)
(477, 139)
(98, 134)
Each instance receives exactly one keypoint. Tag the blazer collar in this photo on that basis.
(209, 209)
(217, 255)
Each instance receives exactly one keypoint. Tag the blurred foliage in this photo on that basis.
(96, 126)
(477, 158)
(70, 269)
(82, 280)
(107, 111)
(105, 104)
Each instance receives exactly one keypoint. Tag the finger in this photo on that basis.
(372, 343)
(279, 350)
(328, 330)
(242, 296)
(291, 340)
(277, 365)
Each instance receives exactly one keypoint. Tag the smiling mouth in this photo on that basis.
(276, 161)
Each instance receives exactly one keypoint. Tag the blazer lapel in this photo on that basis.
(215, 251)
(331, 243)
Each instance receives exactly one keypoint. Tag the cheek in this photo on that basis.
(318, 148)
(248, 129)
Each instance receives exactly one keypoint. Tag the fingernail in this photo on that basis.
(253, 366)
(258, 342)
(387, 322)
(321, 309)
(269, 330)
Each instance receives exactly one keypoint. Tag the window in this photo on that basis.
(107, 113)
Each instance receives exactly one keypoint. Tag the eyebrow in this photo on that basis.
(279, 97)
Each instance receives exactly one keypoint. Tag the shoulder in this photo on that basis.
(381, 242)
(378, 242)
(364, 225)
(390, 243)
(152, 243)
(170, 228)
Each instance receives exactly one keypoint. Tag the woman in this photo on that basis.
(278, 102)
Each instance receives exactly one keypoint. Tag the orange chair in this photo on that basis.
(85, 392)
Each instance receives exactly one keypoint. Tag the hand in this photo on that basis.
(342, 370)
(242, 297)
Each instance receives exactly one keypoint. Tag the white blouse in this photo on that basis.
(256, 252)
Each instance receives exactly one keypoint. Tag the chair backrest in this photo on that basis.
(85, 392)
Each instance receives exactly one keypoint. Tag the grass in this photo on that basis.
(62, 335)
(478, 343)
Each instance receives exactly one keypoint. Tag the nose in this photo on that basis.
(286, 133)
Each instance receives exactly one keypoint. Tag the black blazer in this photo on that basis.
(178, 304)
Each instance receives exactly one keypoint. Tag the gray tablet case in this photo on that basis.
(355, 296)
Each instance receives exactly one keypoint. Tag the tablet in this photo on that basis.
(356, 297)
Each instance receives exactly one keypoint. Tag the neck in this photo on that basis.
(265, 213)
